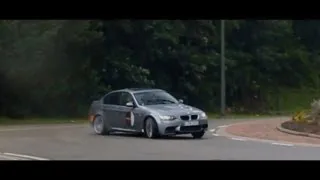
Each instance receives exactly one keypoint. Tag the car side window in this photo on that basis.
(112, 99)
(125, 98)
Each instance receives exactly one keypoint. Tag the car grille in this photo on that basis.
(189, 117)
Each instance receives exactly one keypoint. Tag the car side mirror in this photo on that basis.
(129, 104)
(180, 101)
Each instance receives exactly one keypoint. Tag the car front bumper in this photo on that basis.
(178, 127)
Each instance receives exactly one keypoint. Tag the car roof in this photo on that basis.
(135, 90)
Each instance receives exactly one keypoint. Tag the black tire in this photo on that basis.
(155, 132)
(103, 130)
(198, 135)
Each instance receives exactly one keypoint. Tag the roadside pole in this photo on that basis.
(223, 79)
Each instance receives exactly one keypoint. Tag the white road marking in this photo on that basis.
(35, 128)
(222, 126)
(238, 139)
(215, 134)
(9, 158)
(282, 144)
(212, 130)
(222, 133)
(26, 156)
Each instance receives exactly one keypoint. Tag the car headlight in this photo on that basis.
(203, 116)
(167, 118)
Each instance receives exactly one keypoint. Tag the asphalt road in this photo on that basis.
(78, 142)
(5, 158)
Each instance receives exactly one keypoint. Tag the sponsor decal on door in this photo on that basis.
(130, 118)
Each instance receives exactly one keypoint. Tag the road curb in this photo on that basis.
(288, 131)
(221, 131)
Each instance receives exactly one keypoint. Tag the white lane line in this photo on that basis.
(222, 126)
(35, 128)
(212, 130)
(282, 144)
(222, 133)
(238, 139)
(214, 134)
(9, 158)
(26, 156)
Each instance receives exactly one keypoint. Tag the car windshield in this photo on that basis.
(154, 97)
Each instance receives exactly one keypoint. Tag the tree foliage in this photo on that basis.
(57, 67)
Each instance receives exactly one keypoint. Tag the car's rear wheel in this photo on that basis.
(151, 128)
(99, 126)
(198, 135)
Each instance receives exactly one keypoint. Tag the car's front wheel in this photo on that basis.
(99, 126)
(151, 128)
(198, 135)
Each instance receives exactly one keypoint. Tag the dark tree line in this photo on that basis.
(57, 67)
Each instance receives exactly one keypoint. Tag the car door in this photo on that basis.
(126, 113)
(110, 109)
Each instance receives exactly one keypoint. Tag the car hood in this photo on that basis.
(173, 109)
